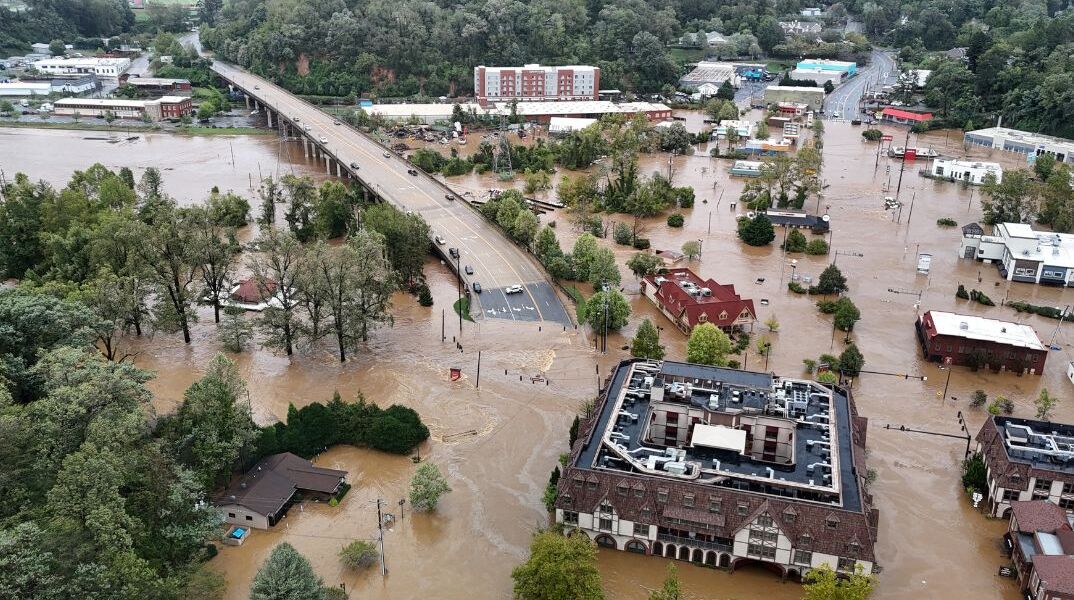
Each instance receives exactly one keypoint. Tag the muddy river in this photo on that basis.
(497, 438)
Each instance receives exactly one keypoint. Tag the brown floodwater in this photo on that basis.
(497, 443)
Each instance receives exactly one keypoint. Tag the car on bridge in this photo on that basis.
(412, 171)
(477, 287)
(450, 197)
(354, 165)
(335, 122)
(454, 252)
(513, 289)
(324, 140)
(469, 270)
(387, 154)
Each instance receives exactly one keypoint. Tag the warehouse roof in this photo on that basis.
(979, 328)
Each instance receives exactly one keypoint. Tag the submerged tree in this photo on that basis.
(559, 568)
(426, 487)
(286, 575)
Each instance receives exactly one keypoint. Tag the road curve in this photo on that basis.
(496, 261)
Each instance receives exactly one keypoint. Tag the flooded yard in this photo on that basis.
(497, 439)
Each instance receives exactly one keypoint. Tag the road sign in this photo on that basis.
(1006, 572)
(886, 138)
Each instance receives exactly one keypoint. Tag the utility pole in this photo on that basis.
(911, 213)
(458, 271)
(902, 166)
(380, 529)
(478, 383)
(443, 324)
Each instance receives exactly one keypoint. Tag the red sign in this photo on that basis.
(911, 154)
(886, 138)
(456, 374)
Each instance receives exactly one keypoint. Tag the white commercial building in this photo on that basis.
(967, 171)
(1021, 253)
(812, 97)
(534, 82)
(818, 76)
(744, 129)
(714, 73)
(25, 88)
(565, 125)
(1022, 142)
(101, 67)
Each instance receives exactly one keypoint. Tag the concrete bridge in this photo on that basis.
(496, 262)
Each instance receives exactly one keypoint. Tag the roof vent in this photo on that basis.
(1003, 330)
(963, 325)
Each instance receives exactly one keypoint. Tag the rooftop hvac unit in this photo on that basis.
(964, 326)
(675, 468)
(706, 292)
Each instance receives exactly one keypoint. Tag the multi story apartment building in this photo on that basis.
(1027, 460)
(722, 467)
(1040, 538)
(534, 82)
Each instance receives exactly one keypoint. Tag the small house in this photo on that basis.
(262, 496)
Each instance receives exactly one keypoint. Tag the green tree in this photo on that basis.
(846, 315)
(1045, 402)
(726, 91)
(671, 589)
(603, 269)
(333, 213)
(278, 269)
(301, 197)
(831, 281)
(235, 331)
(524, 229)
(796, 241)
(559, 568)
(585, 249)
(851, 361)
(359, 554)
(708, 345)
(822, 583)
(979, 399)
(692, 250)
(537, 180)
(646, 343)
(829, 87)
(1014, 200)
(643, 264)
(171, 251)
(622, 234)
(286, 575)
(426, 487)
(57, 48)
(405, 236)
(757, 231)
(607, 308)
(204, 584)
(271, 194)
(547, 246)
(212, 249)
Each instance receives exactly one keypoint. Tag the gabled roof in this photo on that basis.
(249, 292)
(905, 114)
(722, 307)
(271, 483)
(1038, 515)
(1057, 572)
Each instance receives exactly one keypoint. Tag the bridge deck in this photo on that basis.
(497, 262)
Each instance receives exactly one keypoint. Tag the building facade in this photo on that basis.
(1040, 539)
(157, 86)
(1022, 254)
(819, 76)
(966, 171)
(1021, 142)
(980, 343)
(1027, 460)
(723, 468)
(262, 496)
(688, 301)
(109, 68)
(904, 117)
(168, 107)
(841, 66)
(535, 82)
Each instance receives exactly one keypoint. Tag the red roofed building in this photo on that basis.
(689, 301)
(1041, 542)
(905, 117)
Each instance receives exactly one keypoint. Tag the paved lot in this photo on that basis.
(497, 262)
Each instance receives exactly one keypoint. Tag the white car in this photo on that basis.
(324, 140)
(513, 289)
(440, 240)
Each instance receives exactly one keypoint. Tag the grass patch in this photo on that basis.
(779, 65)
(687, 54)
(575, 294)
(462, 306)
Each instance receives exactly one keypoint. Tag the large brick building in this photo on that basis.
(688, 301)
(1027, 460)
(977, 342)
(1040, 538)
(724, 468)
(534, 82)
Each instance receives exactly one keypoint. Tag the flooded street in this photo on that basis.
(497, 443)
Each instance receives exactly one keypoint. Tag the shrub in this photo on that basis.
(359, 554)
(675, 220)
(978, 399)
(622, 234)
(425, 296)
(809, 364)
(962, 293)
(873, 135)
(946, 222)
(974, 474)
(980, 298)
(757, 231)
(828, 378)
(642, 244)
(816, 247)
(796, 241)
(1044, 311)
(684, 197)
(796, 287)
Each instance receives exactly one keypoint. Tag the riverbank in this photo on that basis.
(210, 131)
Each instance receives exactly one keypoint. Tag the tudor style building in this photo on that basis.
(688, 301)
(722, 467)
(1027, 460)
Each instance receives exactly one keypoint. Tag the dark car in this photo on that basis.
(469, 270)
(477, 287)
(354, 165)
(450, 197)
(412, 171)
(454, 252)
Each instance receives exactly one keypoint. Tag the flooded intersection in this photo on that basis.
(498, 442)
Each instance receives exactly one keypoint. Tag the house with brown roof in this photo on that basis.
(687, 300)
(1040, 538)
(1027, 460)
(262, 496)
(724, 468)
(249, 294)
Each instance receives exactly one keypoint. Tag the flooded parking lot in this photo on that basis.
(497, 438)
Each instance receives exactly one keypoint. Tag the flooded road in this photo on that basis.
(498, 442)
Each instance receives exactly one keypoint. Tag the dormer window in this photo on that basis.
(702, 318)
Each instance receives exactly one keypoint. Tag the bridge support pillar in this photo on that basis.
(305, 146)
(339, 169)
(327, 165)
(247, 98)
(365, 194)
(268, 115)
